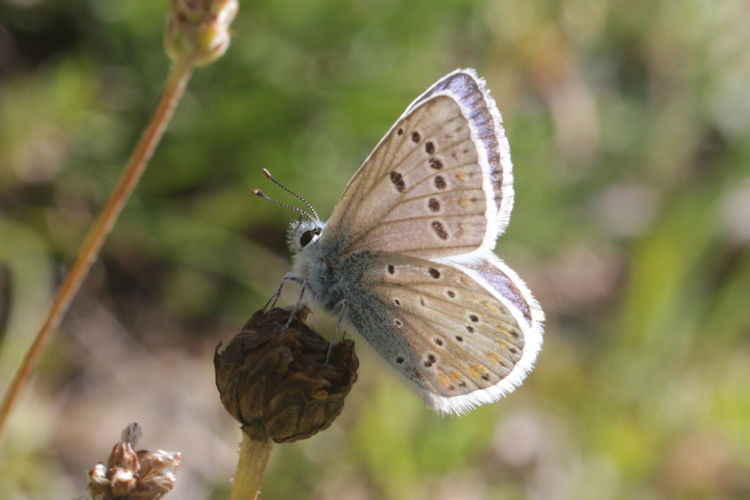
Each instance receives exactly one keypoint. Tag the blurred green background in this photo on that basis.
(629, 123)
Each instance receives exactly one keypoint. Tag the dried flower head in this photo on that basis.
(133, 474)
(198, 30)
(276, 382)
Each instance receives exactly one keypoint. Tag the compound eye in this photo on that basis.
(306, 238)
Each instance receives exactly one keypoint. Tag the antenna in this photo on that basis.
(263, 195)
(271, 178)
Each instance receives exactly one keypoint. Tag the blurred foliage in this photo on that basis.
(629, 123)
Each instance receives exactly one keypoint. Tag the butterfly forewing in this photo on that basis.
(481, 111)
(439, 176)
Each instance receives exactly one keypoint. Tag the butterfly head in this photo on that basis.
(303, 233)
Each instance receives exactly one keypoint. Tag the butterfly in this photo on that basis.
(407, 260)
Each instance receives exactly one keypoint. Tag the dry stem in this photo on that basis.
(173, 90)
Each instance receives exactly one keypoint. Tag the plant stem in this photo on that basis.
(89, 250)
(253, 459)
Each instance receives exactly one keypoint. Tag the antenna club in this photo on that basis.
(314, 215)
(263, 195)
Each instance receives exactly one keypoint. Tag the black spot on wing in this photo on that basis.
(398, 180)
(437, 226)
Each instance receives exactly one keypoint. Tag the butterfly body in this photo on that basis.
(407, 256)
(330, 277)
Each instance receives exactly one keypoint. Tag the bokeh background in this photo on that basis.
(629, 123)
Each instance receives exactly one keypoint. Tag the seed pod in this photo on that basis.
(276, 382)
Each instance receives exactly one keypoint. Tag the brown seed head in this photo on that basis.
(276, 382)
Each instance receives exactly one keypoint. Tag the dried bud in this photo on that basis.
(198, 29)
(135, 475)
(157, 474)
(98, 482)
(275, 380)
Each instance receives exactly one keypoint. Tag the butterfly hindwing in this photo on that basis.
(441, 175)
(463, 340)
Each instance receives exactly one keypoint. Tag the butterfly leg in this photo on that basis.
(298, 305)
(287, 277)
(336, 330)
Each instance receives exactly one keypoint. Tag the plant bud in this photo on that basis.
(198, 30)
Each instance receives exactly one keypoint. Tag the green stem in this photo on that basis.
(250, 467)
